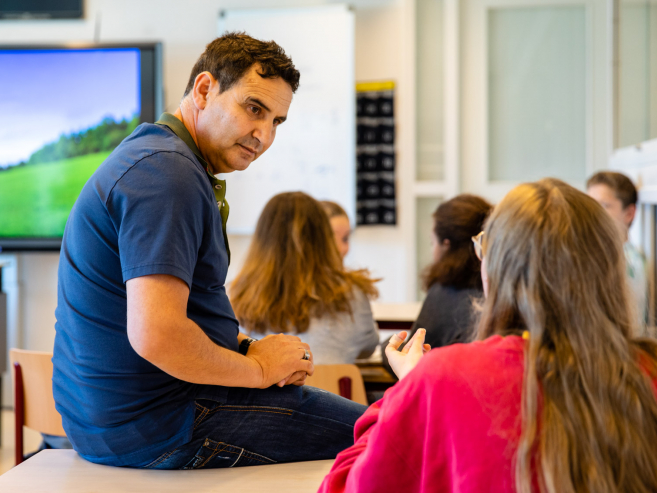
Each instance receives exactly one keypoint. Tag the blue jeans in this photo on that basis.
(265, 426)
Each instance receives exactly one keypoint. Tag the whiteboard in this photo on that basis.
(315, 149)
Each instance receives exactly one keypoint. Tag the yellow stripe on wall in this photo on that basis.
(384, 85)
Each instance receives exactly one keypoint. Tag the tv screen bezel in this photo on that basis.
(152, 104)
(44, 11)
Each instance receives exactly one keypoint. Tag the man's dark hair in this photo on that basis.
(229, 57)
(622, 186)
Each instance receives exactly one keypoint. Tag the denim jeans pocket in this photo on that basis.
(200, 413)
(214, 454)
(164, 461)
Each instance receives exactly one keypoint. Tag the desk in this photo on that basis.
(376, 377)
(396, 316)
(58, 471)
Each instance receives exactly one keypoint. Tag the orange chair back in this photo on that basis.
(341, 380)
(34, 404)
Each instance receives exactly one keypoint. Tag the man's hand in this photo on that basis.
(160, 332)
(297, 378)
(280, 358)
(402, 362)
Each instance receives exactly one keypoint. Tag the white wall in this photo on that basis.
(380, 48)
(381, 33)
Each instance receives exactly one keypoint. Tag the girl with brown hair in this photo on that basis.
(293, 281)
(340, 225)
(453, 280)
(556, 396)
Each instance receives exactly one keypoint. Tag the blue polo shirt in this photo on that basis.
(150, 208)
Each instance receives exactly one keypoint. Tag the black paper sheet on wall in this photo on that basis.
(376, 201)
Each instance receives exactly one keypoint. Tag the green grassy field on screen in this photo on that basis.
(36, 200)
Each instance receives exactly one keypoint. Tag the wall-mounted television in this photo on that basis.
(64, 109)
(41, 9)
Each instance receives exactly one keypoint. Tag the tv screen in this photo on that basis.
(65, 110)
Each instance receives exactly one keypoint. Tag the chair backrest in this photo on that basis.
(39, 411)
(328, 377)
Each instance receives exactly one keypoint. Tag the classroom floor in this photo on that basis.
(31, 440)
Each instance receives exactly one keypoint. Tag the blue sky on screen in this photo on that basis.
(49, 93)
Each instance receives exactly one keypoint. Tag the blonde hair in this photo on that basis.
(333, 209)
(293, 270)
(589, 414)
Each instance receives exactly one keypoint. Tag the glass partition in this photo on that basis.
(429, 94)
(637, 72)
(537, 93)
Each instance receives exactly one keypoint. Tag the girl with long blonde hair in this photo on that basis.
(293, 281)
(556, 396)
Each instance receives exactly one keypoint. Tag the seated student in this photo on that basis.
(339, 224)
(293, 281)
(453, 281)
(617, 194)
(555, 396)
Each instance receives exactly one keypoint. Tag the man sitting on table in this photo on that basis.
(147, 371)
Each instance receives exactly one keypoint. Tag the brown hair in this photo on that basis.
(333, 209)
(589, 415)
(293, 270)
(622, 186)
(229, 57)
(458, 220)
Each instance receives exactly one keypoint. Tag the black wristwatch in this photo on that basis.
(244, 345)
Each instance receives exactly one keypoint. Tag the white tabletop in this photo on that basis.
(396, 312)
(55, 471)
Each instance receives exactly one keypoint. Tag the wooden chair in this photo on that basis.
(344, 380)
(34, 405)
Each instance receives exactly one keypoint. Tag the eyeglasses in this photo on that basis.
(478, 245)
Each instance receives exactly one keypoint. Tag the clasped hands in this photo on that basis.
(280, 359)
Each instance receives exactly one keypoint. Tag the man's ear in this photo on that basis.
(202, 86)
(628, 214)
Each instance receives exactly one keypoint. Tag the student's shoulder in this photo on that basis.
(473, 359)
(452, 294)
(358, 296)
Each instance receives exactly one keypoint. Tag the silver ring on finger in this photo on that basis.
(306, 355)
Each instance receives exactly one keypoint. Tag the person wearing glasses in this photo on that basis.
(453, 280)
(556, 395)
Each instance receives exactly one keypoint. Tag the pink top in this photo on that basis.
(452, 425)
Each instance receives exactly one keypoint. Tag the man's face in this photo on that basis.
(237, 126)
(606, 197)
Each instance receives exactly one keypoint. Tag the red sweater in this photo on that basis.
(452, 425)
